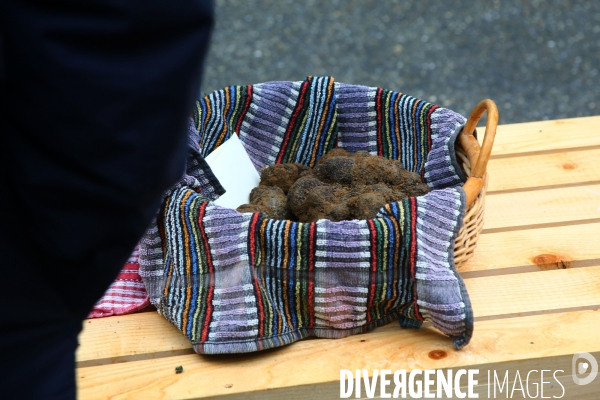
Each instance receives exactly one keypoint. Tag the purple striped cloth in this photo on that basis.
(235, 282)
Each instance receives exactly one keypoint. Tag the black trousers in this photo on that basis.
(95, 98)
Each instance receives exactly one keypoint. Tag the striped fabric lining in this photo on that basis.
(274, 132)
(219, 114)
(264, 126)
(241, 282)
(403, 128)
(126, 295)
(315, 112)
(357, 118)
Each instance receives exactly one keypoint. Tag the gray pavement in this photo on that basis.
(537, 59)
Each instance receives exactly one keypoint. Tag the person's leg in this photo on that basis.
(93, 121)
(40, 362)
(38, 333)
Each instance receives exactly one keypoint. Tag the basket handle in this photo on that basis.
(478, 156)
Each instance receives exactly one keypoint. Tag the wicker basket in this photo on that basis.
(276, 270)
(469, 153)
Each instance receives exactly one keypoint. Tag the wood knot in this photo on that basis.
(551, 261)
(437, 354)
(569, 166)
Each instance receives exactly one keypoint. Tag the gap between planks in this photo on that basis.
(542, 152)
(134, 357)
(545, 187)
(553, 264)
(540, 225)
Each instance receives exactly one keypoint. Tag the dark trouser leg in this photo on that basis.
(93, 118)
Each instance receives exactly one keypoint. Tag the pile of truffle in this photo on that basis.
(341, 186)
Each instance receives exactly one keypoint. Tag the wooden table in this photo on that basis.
(534, 283)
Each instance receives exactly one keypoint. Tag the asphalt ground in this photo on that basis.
(537, 59)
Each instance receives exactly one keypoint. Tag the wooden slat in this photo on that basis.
(542, 207)
(532, 250)
(311, 368)
(521, 294)
(545, 136)
(120, 338)
(526, 172)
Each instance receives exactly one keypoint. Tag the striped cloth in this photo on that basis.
(126, 295)
(235, 282)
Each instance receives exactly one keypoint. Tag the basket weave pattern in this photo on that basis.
(472, 159)
(466, 240)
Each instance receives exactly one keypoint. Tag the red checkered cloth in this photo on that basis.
(127, 293)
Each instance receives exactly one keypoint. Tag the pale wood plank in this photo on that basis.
(542, 136)
(510, 295)
(534, 250)
(566, 168)
(548, 206)
(312, 367)
(110, 339)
